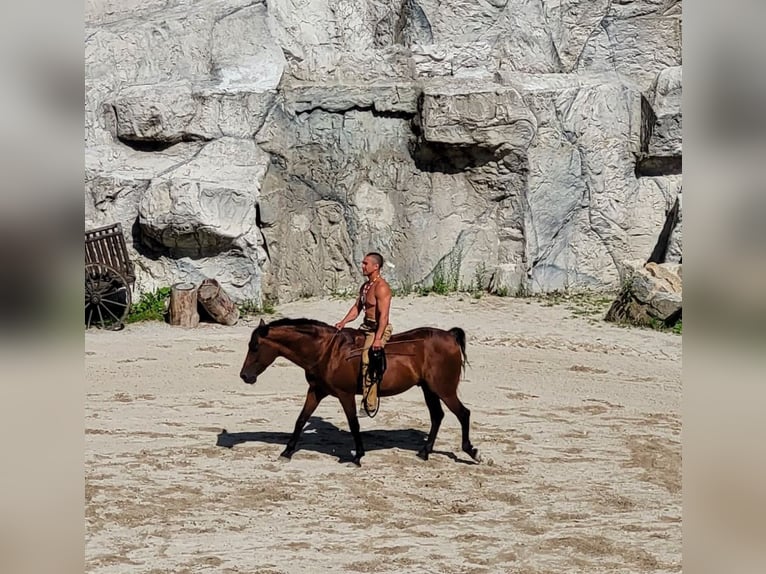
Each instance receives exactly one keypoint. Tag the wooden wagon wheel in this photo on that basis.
(107, 297)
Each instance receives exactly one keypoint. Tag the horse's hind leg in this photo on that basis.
(464, 416)
(437, 414)
(313, 398)
(348, 402)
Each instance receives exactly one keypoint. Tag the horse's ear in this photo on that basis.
(261, 324)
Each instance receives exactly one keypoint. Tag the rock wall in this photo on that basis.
(531, 144)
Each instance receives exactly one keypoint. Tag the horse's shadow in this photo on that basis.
(324, 437)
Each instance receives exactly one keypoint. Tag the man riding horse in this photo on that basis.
(375, 298)
(427, 357)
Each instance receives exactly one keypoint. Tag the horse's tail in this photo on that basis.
(459, 335)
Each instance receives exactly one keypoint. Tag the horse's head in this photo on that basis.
(259, 355)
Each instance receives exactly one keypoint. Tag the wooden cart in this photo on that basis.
(109, 277)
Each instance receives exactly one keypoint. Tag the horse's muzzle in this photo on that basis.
(249, 379)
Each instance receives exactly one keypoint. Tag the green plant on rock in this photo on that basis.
(522, 291)
(455, 261)
(479, 277)
(250, 307)
(439, 283)
(404, 287)
(306, 293)
(504, 291)
(341, 292)
(268, 308)
(446, 277)
(151, 306)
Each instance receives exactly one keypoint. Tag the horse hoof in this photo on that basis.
(423, 454)
(473, 452)
(286, 456)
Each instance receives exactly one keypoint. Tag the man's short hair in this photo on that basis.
(377, 257)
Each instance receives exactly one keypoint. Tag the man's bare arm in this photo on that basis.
(352, 314)
(383, 297)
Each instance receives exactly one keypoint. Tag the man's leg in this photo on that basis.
(370, 398)
(369, 339)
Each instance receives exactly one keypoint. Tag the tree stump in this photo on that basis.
(183, 305)
(217, 303)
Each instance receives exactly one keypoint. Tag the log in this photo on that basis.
(182, 310)
(217, 303)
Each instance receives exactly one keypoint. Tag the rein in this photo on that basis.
(392, 343)
(357, 353)
(353, 353)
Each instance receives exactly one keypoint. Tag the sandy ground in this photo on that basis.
(577, 421)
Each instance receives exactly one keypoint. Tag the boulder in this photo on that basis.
(490, 116)
(652, 294)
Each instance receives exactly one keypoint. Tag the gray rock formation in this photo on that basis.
(533, 145)
(666, 105)
(651, 294)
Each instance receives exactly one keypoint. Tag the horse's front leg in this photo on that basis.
(348, 402)
(313, 398)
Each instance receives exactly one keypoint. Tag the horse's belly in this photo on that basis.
(395, 386)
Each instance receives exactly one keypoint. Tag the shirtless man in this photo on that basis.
(375, 299)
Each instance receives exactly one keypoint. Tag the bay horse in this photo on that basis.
(428, 357)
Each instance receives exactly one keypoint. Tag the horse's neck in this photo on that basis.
(303, 349)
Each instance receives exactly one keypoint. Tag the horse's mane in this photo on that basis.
(301, 323)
